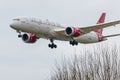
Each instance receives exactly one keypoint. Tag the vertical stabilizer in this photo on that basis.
(101, 20)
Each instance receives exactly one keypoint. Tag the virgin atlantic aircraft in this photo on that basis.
(31, 29)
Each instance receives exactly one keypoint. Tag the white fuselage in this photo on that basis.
(46, 29)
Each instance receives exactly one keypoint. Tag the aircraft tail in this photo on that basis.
(101, 20)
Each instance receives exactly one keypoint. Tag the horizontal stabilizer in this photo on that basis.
(111, 35)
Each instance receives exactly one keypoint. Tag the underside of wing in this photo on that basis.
(61, 33)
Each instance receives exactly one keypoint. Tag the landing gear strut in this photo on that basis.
(73, 42)
(19, 35)
(52, 45)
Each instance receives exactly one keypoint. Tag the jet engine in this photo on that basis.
(29, 38)
(72, 31)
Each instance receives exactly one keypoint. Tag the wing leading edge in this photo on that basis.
(85, 30)
(98, 26)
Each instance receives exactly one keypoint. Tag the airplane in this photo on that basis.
(33, 29)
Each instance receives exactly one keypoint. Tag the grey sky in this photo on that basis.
(20, 61)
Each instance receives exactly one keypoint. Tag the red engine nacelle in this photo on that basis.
(29, 38)
(72, 31)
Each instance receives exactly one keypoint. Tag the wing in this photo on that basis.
(85, 30)
(98, 26)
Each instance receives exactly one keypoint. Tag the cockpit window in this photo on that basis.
(16, 19)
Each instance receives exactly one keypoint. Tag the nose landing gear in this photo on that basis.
(19, 35)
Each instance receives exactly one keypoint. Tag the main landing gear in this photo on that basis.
(73, 43)
(52, 45)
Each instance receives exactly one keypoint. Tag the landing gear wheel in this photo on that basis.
(52, 45)
(55, 46)
(70, 42)
(19, 35)
(49, 45)
(73, 42)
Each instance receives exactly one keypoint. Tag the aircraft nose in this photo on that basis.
(15, 23)
(12, 25)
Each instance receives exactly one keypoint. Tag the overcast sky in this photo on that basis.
(20, 61)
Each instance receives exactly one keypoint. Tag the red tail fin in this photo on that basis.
(101, 20)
